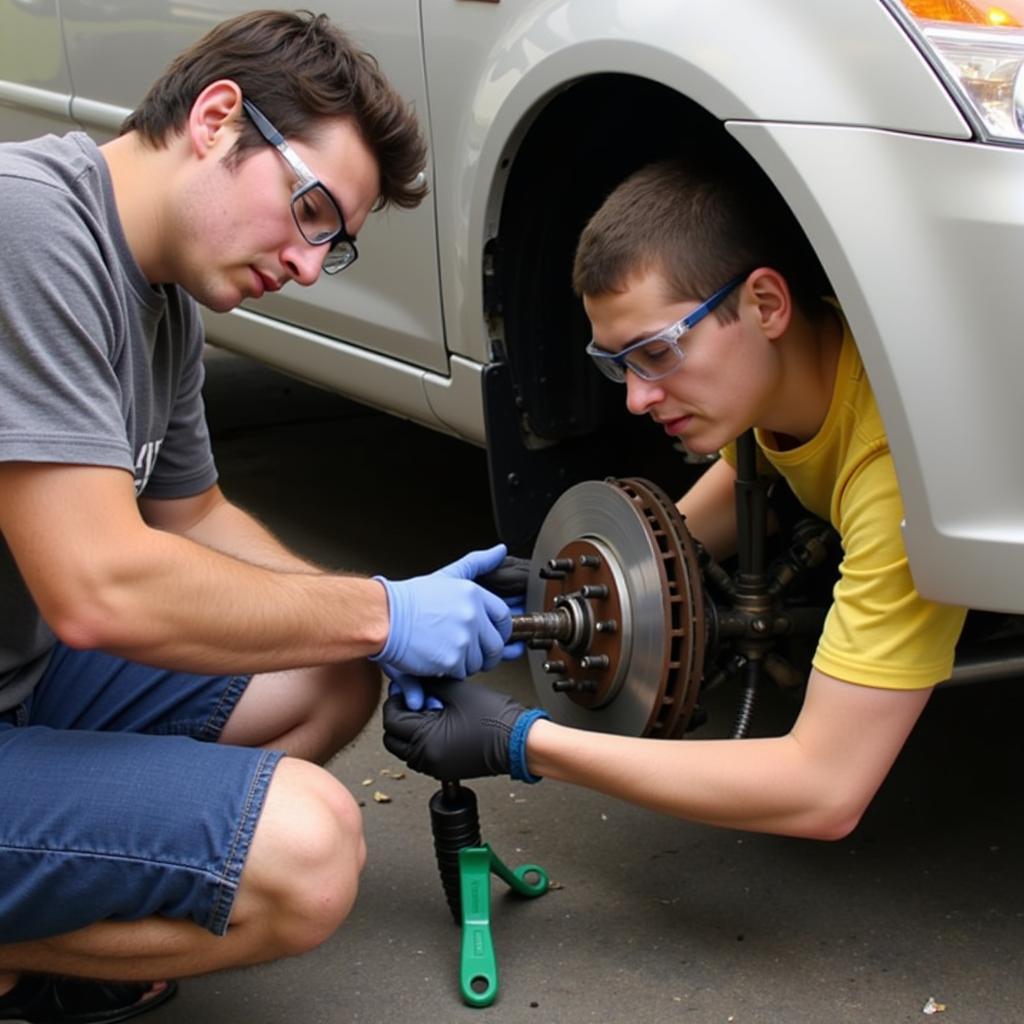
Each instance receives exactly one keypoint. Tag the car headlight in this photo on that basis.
(978, 48)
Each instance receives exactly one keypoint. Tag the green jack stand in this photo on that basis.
(466, 865)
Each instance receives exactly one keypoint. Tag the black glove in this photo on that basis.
(509, 579)
(477, 732)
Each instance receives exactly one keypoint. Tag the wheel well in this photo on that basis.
(551, 420)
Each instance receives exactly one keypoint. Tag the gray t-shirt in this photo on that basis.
(97, 366)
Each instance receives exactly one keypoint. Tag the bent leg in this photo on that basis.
(129, 850)
(298, 884)
(309, 713)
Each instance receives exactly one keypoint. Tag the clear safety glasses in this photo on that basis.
(661, 354)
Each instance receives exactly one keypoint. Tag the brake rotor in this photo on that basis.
(614, 557)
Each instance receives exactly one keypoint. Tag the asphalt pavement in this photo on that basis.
(648, 919)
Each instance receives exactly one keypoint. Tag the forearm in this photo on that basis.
(177, 603)
(104, 576)
(233, 531)
(761, 785)
(210, 519)
(815, 782)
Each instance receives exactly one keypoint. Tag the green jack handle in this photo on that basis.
(478, 968)
(466, 865)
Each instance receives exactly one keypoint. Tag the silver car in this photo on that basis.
(894, 130)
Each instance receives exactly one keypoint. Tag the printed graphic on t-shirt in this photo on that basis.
(144, 463)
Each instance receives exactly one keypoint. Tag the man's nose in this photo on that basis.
(641, 394)
(304, 262)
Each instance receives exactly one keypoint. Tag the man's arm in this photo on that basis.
(815, 781)
(210, 519)
(104, 578)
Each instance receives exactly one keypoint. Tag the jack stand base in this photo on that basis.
(478, 969)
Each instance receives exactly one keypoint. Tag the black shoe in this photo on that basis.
(58, 999)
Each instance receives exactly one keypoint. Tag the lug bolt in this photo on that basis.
(563, 685)
(554, 666)
(594, 661)
(561, 564)
(590, 561)
(594, 590)
(606, 626)
(540, 644)
(586, 686)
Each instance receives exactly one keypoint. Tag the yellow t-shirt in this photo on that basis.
(879, 630)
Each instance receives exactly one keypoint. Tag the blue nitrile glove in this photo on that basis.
(411, 690)
(475, 732)
(445, 624)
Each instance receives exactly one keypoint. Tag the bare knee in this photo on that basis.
(302, 874)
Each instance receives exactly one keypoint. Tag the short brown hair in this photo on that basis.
(298, 68)
(698, 224)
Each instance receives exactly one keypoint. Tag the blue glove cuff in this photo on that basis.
(397, 639)
(517, 745)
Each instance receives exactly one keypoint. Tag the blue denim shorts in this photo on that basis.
(116, 801)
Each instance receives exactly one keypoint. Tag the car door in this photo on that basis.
(389, 302)
(35, 88)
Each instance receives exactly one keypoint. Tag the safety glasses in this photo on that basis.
(661, 354)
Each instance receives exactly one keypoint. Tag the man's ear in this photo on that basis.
(770, 294)
(212, 121)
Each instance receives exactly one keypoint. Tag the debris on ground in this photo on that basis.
(381, 798)
(933, 1006)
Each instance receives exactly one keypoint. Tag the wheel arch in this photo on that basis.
(552, 421)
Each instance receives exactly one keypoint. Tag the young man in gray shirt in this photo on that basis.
(140, 611)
